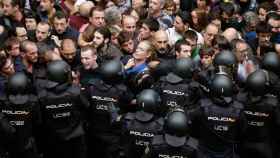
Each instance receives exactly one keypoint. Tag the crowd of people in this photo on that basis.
(139, 78)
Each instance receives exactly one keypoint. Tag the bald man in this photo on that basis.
(69, 53)
(129, 24)
(230, 34)
(209, 34)
(160, 42)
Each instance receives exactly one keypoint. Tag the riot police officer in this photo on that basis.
(140, 127)
(21, 108)
(175, 141)
(271, 63)
(62, 106)
(218, 122)
(260, 112)
(223, 63)
(108, 97)
(177, 89)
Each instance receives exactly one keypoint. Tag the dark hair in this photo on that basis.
(124, 37)
(206, 51)
(185, 16)
(152, 24)
(104, 31)
(179, 43)
(263, 27)
(228, 8)
(3, 58)
(10, 42)
(272, 15)
(96, 8)
(221, 42)
(60, 15)
(268, 6)
(190, 34)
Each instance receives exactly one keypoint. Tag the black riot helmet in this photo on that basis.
(221, 86)
(257, 82)
(148, 102)
(18, 83)
(58, 72)
(184, 67)
(112, 71)
(225, 62)
(271, 62)
(176, 128)
(225, 57)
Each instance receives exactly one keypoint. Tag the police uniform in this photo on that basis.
(218, 125)
(61, 108)
(139, 130)
(106, 101)
(22, 112)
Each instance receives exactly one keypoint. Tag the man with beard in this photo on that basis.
(163, 49)
(61, 27)
(105, 49)
(127, 45)
(69, 53)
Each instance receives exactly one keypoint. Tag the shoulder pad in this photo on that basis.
(192, 142)
(33, 98)
(160, 121)
(205, 102)
(172, 78)
(194, 84)
(3, 97)
(42, 93)
(130, 116)
(75, 90)
(237, 104)
(121, 87)
(158, 140)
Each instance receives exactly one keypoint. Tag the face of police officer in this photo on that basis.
(42, 32)
(161, 41)
(31, 53)
(60, 25)
(88, 59)
(8, 69)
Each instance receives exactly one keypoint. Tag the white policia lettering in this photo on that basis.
(174, 92)
(221, 128)
(222, 119)
(256, 113)
(141, 143)
(136, 133)
(169, 156)
(104, 98)
(10, 112)
(63, 105)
